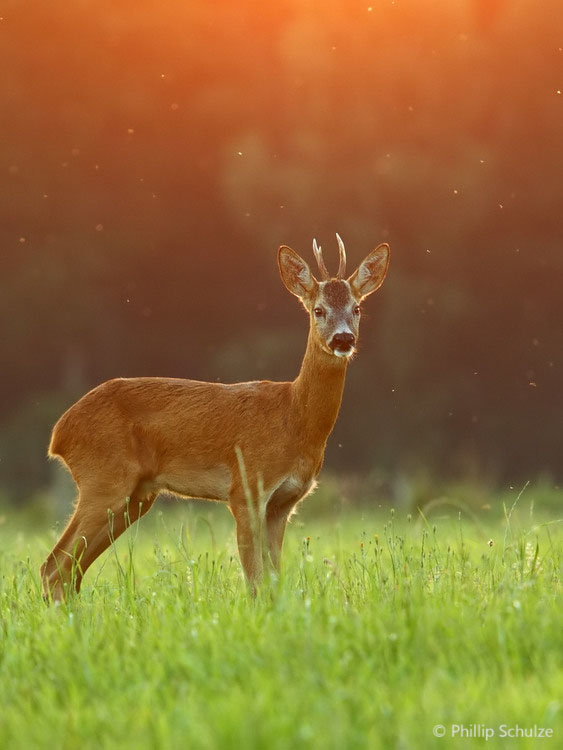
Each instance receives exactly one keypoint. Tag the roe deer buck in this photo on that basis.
(258, 446)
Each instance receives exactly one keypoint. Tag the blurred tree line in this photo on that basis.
(155, 155)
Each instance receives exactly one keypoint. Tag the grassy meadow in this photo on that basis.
(383, 626)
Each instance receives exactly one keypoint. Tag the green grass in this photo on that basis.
(381, 627)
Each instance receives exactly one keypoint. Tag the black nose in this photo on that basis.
(342, 341)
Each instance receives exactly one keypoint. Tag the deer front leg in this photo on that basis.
(277, 515)
(249, 540)
(278, 510)
(276, 521)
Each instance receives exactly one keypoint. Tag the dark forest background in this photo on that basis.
(154, 155)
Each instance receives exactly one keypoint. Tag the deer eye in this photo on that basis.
(357, 310)
(319, 312)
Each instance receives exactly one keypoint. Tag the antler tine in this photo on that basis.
(342, 253)
(319, 256)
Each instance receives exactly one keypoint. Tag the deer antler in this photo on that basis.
(342, 253)
(319, 256)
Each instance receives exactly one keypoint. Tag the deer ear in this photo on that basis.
(371, 272)
(295, 273)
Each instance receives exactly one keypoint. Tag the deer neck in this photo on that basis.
(317, 391)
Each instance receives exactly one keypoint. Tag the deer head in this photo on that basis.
(333, 303)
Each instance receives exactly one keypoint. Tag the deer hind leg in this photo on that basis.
(58, 562)
(111, 527)
(99, 518)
